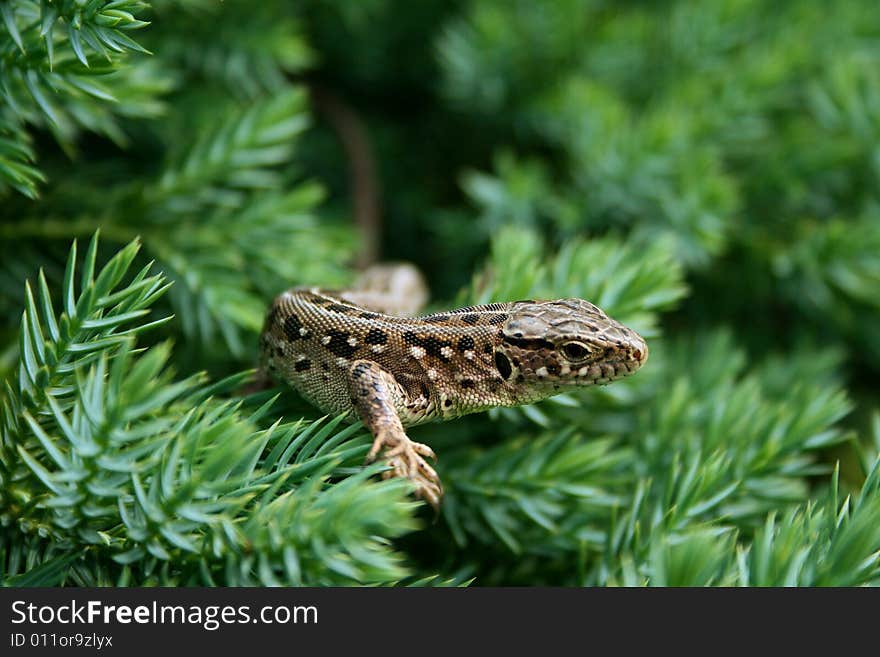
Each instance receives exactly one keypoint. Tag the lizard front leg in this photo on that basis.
(373, 391)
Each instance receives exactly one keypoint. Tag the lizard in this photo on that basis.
(344, 352)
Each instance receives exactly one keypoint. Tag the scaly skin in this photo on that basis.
(394, 372)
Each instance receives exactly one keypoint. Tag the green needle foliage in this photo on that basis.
(706, 172)
(52, 63)
(106, 453)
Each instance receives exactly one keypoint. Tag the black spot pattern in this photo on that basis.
(470, 318)
(303, 365)
(339, 308)
(292, 325)
(430, 343)
(437, 319)
(465, 343)
(467, 383)
(338, 344)
(497, 319)
(376, 336)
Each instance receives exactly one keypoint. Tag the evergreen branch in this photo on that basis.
(339, 536)
(222, 285)
(228, 256)
(53, 347)
(833, 273)
(237, 154)
(498, 52)
(33, 562)
(137, 467)
(16, 160)
(844, 102)
(521, 192)
(825, 545)
(525, 491)
(104, 451)
(712, 462)
(698, 557)
(47, 78)
(45, 28)
(248, 49)
(629, 282)
(738, 452)
(730, 142)
(652, 171)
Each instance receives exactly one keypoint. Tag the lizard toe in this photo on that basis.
(400, 448)
(405, 463)
(420, 467)
(431, 492)
(423, 450)
(396, 468)
(382, 439)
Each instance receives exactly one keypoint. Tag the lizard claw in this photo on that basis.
(427, 488)
(405, 446)
(374, 450)
(404, 457)
(424, 450)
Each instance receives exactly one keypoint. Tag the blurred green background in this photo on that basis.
(707, 172)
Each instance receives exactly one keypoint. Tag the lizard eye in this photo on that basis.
(575, 351)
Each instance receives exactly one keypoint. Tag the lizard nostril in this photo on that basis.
(637, 354)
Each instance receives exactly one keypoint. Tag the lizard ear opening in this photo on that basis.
(502, 363)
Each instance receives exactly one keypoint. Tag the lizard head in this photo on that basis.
(567, 342)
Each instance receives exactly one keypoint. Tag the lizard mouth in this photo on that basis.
(608, 371)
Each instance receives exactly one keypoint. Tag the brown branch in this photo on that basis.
(365, 186)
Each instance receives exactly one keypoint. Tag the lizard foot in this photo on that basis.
(405, 458)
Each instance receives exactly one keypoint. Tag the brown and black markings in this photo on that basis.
(438, 366)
